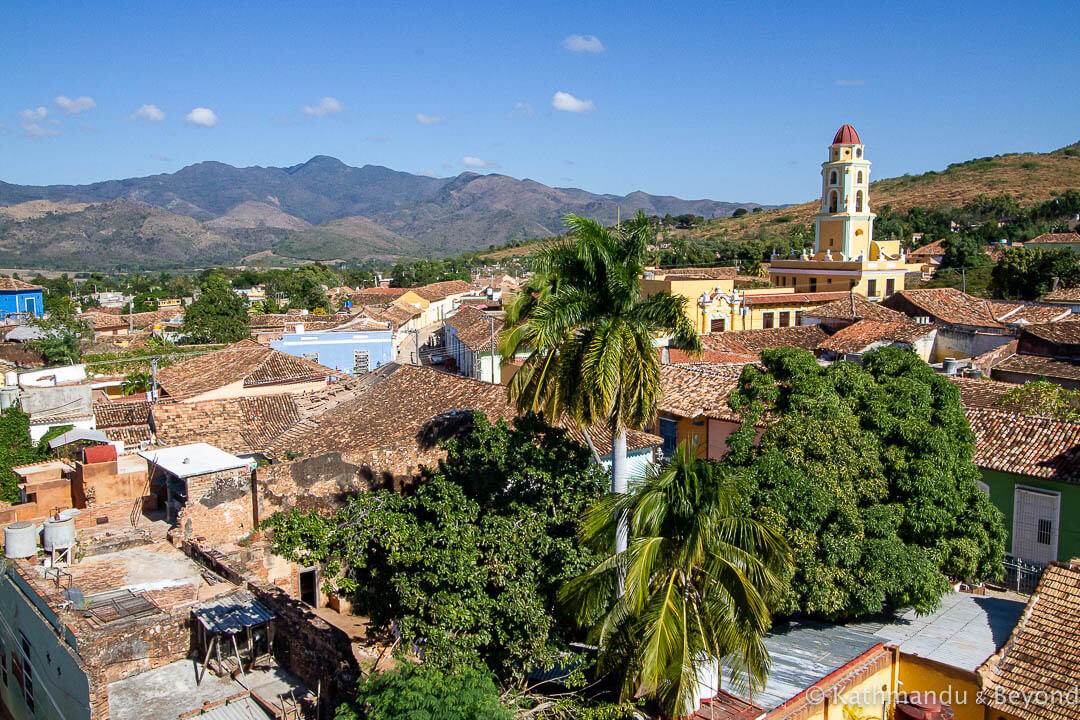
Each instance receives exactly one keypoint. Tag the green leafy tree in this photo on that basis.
(15, 449)
(588, 335)
(62, 336)
(469, 565)
(964, 251)
(1042, 397)
(218, 316)
(868, 473)
(1027, 274)
(138, 381)
(698, 579)
(424, 692)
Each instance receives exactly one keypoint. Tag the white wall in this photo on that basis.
(53, 376)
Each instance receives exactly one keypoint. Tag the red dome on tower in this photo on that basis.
(846, 135)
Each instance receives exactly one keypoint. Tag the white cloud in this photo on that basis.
(326, 106)
(568, 103)
(476, 162)
(149, 112)
(203, 117)
(522, 109)
(76, 106)
(30, 122)
(429, 119)
(850, 83)
(33, 114)
(583, 43)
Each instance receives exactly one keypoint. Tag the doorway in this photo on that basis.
(309, 587)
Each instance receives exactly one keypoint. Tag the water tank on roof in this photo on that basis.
(20, 540)
(949, 365)
(11, 378)
(59, 533)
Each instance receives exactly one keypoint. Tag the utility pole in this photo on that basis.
(153, 380)
(963, 279)
(492, 319)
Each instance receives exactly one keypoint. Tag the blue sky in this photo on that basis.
(726, 101)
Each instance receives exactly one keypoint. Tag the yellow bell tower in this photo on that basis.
(844, 226)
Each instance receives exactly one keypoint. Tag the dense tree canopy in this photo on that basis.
(62, 336)
(868, 473)
(1028, 274)
(15, 449)
(424, 692)
(218, 316)
(469, 564)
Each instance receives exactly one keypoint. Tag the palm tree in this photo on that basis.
(698, 579)
(589, 335)
(137, 381)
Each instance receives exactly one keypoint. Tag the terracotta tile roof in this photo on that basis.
(985, 363)
(311, 323)
(245, 361)
(104, 321)
(1051, 238)
(1039, 366)
(752, 342)
(601, 437)
(1032, 676)
(131, 435)
(1059, 333)
(980, 392)
(392, 409)
(474, 328)
(236, 425)
(690, 392)
(441, 290)
(1026, 444)
(856, 307)
(1014, 312)
(1063, 295)
(397, 314)
(951, 306)
(711, 357)
(7, 283)
(726, 706)
(858, 336)
(702, 273)
(934, 249)
(793, 298)
(121, 412)
(380, 294)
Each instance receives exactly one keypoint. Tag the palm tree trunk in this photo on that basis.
(620, 474)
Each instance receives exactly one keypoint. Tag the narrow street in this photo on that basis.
(426, 336)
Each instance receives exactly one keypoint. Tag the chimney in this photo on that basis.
(1057, 281)
(665, 355)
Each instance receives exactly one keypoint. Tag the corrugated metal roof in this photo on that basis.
(232, 613)
(241, 708)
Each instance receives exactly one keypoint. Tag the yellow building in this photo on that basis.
(715, 304)
(846, 255)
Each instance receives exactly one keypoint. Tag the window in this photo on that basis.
(717, 325)
(858, 178)
(871, 288)
(858, 152)
(798, 317)
(361, 362)
(890, 286)
(767, 320)
(26, 678)
(832, 201)
(1043, 537)
(858, 201)
(785, 319)
(313, 357)
(813, 284)
(832, 178)
(669, 431)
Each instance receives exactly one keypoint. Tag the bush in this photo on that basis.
(421, 692)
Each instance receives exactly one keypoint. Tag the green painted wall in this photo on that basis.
(1002, 486)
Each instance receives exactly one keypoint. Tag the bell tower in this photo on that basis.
(844, 226)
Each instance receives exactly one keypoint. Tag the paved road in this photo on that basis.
(427, 337)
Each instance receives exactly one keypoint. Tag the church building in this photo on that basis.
(846, 256)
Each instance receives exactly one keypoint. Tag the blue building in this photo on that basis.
(17, 296)
(351, 351)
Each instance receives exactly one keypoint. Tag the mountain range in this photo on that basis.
(322, 209)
